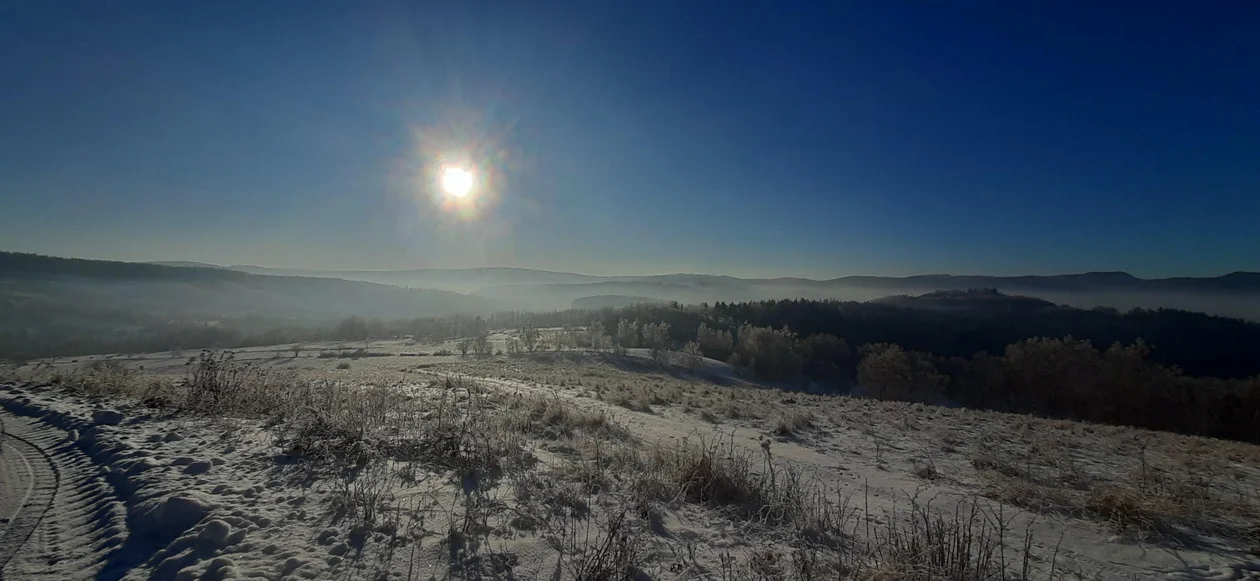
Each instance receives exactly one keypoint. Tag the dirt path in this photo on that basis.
(62, 519)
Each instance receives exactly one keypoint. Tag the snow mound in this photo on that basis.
(164, 519)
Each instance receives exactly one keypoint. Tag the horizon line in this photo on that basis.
(169, 263)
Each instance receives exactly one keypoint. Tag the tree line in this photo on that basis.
(1098, 368)
(1001, 353)
(1161, 369)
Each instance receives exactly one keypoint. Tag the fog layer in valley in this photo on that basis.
(1233, 295)
(57, 306)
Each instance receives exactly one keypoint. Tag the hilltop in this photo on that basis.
(972, 299)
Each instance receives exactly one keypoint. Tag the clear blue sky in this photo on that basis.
(754, 139)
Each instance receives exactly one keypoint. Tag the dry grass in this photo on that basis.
(572, 473)
(614, 552)
(1159, 486)
(631, 401)
(916, 543)
(967, 542)
(103, 378)
(552, 418)
(792, 423)
(364, 494)
(732, 480)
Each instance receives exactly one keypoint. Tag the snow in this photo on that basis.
(150, 495)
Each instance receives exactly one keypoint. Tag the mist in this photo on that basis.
(56, 305)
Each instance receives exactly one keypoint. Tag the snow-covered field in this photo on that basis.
(580, 465)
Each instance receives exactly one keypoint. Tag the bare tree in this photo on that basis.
(598, 337)
(530, 336)
(715, 344)
(481, 344)
(656, 337)
(695, 359)
(627, 335)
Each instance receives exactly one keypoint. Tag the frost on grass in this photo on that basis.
(542, 469)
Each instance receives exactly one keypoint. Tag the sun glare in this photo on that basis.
(456, 181)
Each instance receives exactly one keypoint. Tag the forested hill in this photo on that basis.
(18, 266)
(968, 300)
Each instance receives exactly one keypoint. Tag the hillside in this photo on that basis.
(548, 465)
(45, 300)
(215, 292)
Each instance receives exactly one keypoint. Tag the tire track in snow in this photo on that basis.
(69, 521)
(43, 479)
(16, 483)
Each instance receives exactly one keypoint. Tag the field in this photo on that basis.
(394, 460)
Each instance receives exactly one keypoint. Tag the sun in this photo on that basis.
(456, 181)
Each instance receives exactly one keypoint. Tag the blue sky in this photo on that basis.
(753, 139)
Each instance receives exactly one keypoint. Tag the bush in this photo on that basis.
(616, 553)
(792, 423)
(727, 478)
(551, 418)
(216, 381)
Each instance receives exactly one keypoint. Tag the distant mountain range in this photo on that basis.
(458, 280)
(472, 279)
(294, 293)
(1236, 294)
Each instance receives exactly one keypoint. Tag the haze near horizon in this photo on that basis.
(813, 141)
